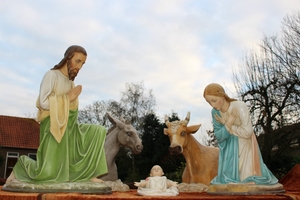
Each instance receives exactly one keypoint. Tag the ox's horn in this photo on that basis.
(167, 120)
(187, 118)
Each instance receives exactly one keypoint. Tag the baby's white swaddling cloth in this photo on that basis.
(157, 186)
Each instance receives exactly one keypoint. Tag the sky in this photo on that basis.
(174, 47)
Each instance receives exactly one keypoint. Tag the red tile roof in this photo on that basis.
(19, 132)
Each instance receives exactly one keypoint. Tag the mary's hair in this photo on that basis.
(216, 89)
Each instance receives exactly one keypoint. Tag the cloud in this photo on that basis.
(175, 47)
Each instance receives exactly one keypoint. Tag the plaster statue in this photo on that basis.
(157, 184)
(240, 159)
(120, 134)
(201, 161)
(68, 151)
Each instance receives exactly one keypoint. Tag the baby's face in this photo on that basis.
(156, 171)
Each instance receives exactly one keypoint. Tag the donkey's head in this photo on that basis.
(127, 135)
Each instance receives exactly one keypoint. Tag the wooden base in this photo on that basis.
(132, 195)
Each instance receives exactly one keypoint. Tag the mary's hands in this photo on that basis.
(74, 93)
(231, 117)
(219, 119)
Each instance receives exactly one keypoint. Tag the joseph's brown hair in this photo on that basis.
(69, 54)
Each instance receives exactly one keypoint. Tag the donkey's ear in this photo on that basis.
(122, 119)
(111, 119)
(115, 121)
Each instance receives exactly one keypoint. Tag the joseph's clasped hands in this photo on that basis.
(74, 93)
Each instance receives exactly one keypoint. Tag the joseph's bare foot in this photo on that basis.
(11, 178)
(97, 180)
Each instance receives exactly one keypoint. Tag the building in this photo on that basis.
(18, 136)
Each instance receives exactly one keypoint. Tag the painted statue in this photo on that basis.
(240, 159)
(201, 161)
(157, 184)
(121, 134)
(68, 151)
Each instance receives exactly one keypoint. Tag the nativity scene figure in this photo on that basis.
(157, 184)
(68, 151)
(240, 161)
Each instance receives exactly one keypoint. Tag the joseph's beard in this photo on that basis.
(71, 71)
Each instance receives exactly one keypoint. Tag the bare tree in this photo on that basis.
(30, 115)
(138, 103)
(269, 83)
(211, 140)
(135, 103)
(96, 112)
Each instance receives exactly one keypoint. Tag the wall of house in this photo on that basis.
(9, 163)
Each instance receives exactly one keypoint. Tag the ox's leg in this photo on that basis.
(186, 176)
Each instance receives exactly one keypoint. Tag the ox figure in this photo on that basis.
(121, 134)
(201, 161)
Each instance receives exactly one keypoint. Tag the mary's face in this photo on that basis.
(215, 101)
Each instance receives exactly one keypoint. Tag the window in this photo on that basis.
(11, 160)
(32, 156)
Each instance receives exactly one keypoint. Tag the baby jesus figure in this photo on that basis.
(157, 184)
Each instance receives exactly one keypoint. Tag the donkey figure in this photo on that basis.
(121, 134)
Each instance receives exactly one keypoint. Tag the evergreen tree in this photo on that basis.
(156, 149)
(151, 132)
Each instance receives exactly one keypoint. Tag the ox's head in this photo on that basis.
(178, 133)
(127, 135)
